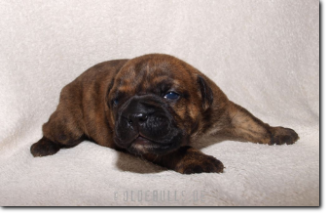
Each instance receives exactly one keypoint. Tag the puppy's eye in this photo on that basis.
(171, 96)
(115, 101)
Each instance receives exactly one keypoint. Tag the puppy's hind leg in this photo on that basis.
(244, 126)
(44, 147)
(61, 131)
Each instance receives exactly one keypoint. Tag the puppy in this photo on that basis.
(152, 106)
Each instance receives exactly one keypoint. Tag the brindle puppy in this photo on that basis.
(152, 106)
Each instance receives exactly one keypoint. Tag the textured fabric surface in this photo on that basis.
(264, 54)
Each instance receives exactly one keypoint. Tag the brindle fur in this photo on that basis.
(84, 111)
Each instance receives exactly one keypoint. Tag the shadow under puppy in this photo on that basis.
(152, 106)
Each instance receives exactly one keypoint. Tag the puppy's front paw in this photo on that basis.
(204, 164)
(281, 135)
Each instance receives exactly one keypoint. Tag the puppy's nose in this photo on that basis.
(138, 118)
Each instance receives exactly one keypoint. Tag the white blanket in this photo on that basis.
(263, 54)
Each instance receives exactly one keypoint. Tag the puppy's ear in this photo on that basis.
(110, 86)
(206, 92)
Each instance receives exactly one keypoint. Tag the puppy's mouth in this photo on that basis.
(143, 144)
(141, 140)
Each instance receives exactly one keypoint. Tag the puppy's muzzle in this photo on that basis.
(146, 117)
(138, 118)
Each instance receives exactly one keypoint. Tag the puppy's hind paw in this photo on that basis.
(44, 147)
(281, 135)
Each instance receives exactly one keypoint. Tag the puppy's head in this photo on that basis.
(157, 102)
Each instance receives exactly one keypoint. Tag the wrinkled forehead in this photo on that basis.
(150, 75)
